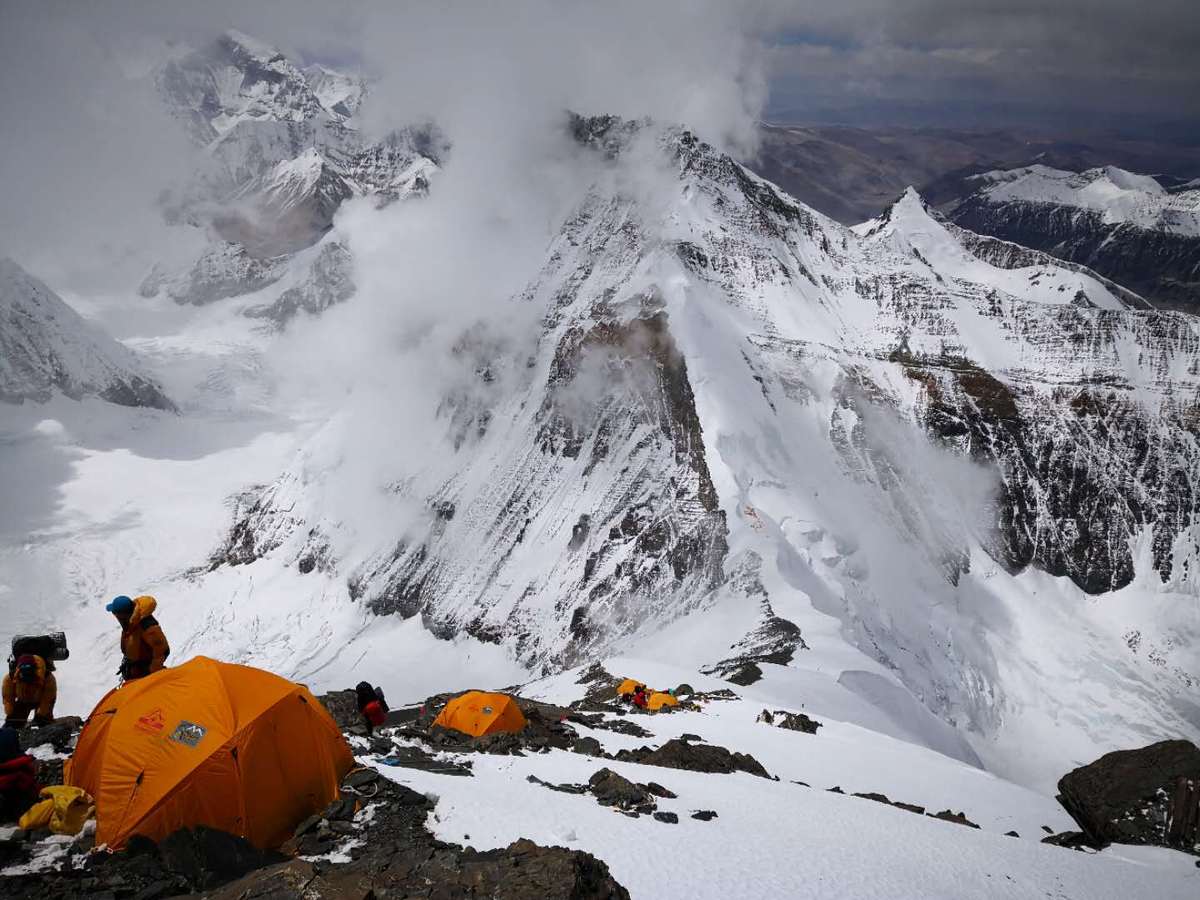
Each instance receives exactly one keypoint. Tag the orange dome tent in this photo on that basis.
(627, 686)
(476, 713)
(208, 743)
(659, 699)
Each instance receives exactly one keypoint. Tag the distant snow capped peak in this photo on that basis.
(1118, 195)
(1129, 227)
(251, 46)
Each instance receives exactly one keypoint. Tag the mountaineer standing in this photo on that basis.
(144, 647)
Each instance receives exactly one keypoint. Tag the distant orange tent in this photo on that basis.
(627, 686)
(208, 743)
(477, 713)
(659, 699)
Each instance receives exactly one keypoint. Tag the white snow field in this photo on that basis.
(780, 839)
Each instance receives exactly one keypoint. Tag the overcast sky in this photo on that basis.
(85, 144)
(1077, 63)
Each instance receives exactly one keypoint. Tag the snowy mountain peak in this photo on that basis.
(1117, 195)
(911, 227)
(47, 347)
(733, 403)
(1126, 226)
(234, 80)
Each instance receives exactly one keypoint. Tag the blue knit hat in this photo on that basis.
(120, 605)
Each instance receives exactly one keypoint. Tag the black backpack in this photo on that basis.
(51, 647)
(366, 693)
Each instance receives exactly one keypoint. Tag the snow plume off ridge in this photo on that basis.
(604, 390)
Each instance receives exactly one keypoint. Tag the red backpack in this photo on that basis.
(375, 713)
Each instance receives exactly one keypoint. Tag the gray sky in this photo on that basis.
(85, 145)
(1066, 63)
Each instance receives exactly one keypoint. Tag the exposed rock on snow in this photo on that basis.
(957, 818)
(1145, 796)
(47, 347)
(791, 721)
(681, 754)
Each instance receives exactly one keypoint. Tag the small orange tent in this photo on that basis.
(208, 743)
(627, 686)
(476, 713)
(659, 699)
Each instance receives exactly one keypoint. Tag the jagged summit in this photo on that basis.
(913, 227)
(47, 347)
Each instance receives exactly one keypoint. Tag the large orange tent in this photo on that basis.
(477, 713)
(208, 743)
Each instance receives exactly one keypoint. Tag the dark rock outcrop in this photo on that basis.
(957, 818)
(1146, 796)
(187, 861)
(521, 871)
(790, 721)
(679, 754)
(611, 789)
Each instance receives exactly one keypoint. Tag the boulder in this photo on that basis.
(343, 706)
(658, 790)
(1146, 796)
(679, 754)
(188, 861)
(790, 721)
(611, 789)
(521, 871)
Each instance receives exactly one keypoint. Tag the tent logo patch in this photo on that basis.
(188, 733)
(151, 722)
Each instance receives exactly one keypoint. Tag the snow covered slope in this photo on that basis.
(905, 466)
(47, 347)
(791, 837)
(1125, 226)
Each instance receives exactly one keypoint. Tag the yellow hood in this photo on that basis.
(142, 606)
